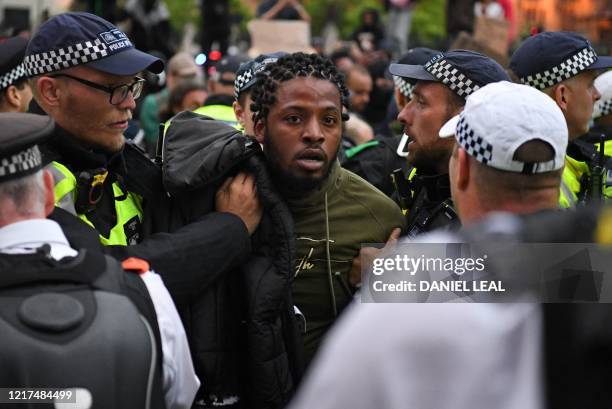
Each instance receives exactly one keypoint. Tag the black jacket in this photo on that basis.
(241, 324)
(177, 254)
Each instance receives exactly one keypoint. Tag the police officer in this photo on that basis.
(601, 130)
(77, 319)
(380, 160)
(15, 92)
(219, 103)
(84, 74)
(441, 88)
(564, 66)
(246, 76)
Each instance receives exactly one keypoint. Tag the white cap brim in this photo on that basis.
(449, 128)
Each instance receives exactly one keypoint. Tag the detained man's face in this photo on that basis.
(302, 132)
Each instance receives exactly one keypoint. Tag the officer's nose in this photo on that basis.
(596, 95)
(128, 103)
(405, 115)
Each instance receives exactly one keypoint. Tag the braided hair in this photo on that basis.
(289, 67)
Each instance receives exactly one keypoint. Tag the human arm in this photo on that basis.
(179, 380)
(300, 10)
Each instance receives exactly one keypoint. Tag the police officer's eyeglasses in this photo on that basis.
(118, 94)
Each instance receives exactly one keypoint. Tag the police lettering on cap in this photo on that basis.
(463, 71)
(246, 74)
(12, 68)
(19, 139)
(603, 84)
(548, 58)
(500, 117)
(76, 38)
(414, 56)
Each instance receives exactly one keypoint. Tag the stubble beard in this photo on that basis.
(285, 180)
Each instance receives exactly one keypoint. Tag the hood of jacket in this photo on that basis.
(198, 150)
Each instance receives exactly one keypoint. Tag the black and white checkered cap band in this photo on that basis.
(475, 146)
(12, 76)
(241, 80)
(567, 69)
(73, 55)
(602, 108)
(24, 162)
(449, 75)
(482, 151)
(404, 87)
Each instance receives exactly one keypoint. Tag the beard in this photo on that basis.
(285, 179)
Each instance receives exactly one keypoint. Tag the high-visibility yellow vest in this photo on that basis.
(128, 210)
(221, 113)
(572, 174)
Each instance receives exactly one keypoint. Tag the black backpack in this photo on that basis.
(82, 323)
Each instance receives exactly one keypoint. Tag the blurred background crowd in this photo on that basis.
(362, 38)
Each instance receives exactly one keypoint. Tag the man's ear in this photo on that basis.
(560, 95)
(12, 96)
(400, 99)
(239, 112)
(49, 192)
(260, 131)
(48, 91)
(463, 169)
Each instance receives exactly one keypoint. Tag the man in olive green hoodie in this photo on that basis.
(298, 112)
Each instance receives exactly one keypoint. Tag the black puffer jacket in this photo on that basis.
(241, 325)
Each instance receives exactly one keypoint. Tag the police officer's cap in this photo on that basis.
(463, 71)
(12, 69)
(548, 58)
(76, 38)
(414, 56)
(19, 139)
(247, 73)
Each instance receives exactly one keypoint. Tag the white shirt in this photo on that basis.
(180, 382)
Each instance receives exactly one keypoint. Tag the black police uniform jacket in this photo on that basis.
(242, 328)
(177, 256)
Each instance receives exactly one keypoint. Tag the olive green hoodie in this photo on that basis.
(345, 212)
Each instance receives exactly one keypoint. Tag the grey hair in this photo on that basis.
(27, 193)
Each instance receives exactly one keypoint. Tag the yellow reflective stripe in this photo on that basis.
(570, 182)
(567, 198)
(64, 186)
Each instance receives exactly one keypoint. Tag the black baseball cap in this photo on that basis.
(11, 61)
(463, 71)
(548, 58)
(77, 38)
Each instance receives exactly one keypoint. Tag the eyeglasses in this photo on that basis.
(118, 94)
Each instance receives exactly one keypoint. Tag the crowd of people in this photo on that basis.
(207, 247)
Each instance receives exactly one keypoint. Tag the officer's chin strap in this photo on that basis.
(402, 146)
